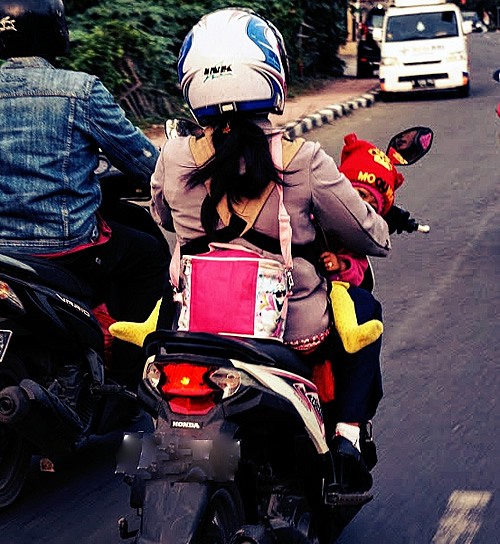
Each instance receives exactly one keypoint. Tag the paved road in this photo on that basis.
(438, 472)
(437, 477)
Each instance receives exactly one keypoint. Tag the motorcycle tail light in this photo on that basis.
(185, 379)
(187, 388)
(11, 305)
(193, 388)
(227, 379)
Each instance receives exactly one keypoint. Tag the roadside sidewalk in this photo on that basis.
(337, 98)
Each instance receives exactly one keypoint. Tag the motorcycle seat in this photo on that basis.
(45, 272)
(250, 350)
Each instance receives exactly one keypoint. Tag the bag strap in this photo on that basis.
(202, 147)
(203, 150)
(290, 149)
(283, 151)
(285, 226)
(247, 210)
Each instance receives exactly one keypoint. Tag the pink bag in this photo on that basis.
(232, 290)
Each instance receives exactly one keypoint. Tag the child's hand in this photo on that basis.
(332, 263)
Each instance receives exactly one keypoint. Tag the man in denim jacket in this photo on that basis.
(52, 124)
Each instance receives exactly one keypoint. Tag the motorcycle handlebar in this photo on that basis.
(116, 185)
(400, 220)
(414, 226)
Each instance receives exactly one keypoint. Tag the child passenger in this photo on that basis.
(375, 178)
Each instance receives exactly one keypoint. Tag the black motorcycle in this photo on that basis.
(239, 452)
(496, 77)
(54, 390)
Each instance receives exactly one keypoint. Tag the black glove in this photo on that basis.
(399, 220)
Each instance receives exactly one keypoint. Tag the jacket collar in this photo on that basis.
(27, 62)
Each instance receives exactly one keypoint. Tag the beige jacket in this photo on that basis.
(313, 186)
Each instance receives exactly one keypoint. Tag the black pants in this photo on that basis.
(358, 379)
(129, 274)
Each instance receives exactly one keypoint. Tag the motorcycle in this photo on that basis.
(496, 77)
(238, 454)
(54, 390)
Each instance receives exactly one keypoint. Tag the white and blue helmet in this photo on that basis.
(233, 60)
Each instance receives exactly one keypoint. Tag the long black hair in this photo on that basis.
(241, 167)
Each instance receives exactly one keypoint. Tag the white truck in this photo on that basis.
(424, 47)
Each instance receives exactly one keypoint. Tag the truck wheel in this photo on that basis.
(464, 92)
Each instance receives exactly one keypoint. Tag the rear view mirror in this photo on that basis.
(467, 27)
(410, 145)
(496, 75)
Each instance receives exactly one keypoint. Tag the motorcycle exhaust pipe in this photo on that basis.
(39, 416)
(14, 405)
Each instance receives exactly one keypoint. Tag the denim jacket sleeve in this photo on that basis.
(125, 145)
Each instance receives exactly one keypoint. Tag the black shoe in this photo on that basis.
(351, 473)
(367, 445)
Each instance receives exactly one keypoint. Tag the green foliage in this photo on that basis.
(328, 20)
(106, 33)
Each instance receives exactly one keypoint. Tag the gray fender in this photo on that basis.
(172, 511)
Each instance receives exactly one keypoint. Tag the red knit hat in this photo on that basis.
(365, 165)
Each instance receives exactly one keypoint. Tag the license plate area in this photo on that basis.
(5, 336)
(423, 83)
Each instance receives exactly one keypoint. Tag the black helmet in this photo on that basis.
(33, 28)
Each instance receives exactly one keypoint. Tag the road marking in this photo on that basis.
(462, 518)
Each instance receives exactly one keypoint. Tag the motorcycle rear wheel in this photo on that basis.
(223, 517)
(15, 451)
(15, 459)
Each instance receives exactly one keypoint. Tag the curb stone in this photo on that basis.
(329, 114)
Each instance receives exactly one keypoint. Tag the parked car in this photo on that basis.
(370, 35)
(477, 24)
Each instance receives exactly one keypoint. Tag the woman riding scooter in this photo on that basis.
(233, 72)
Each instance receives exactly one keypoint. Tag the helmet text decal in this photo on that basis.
(7, 24)
(217, 71)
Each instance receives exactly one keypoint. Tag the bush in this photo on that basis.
(136, 42)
